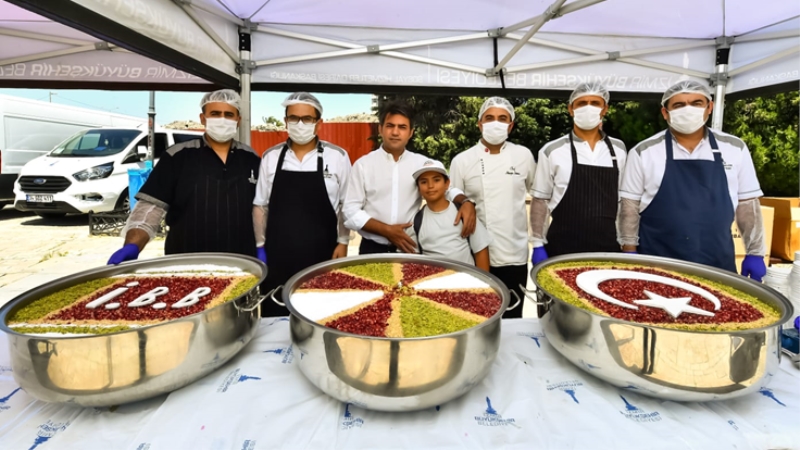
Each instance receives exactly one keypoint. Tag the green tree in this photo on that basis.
(769, 127)
(272, 121)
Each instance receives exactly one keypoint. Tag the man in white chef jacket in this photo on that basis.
(498, 175)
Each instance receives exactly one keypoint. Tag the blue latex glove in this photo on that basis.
(539, 254)
(261, 254)
(753, 266)
(127, 253)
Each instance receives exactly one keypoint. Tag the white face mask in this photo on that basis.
(587, 117)
(688, 119)
(495, 133)
(301, 133)
(220, 129)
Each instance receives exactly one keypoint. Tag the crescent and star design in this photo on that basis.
(589, 282)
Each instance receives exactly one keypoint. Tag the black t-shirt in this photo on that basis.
(209, 203)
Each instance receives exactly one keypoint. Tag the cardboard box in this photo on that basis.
(786, 231)
(768, 214)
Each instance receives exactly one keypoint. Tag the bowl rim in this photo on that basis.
(329, 265)
(714, 274)
(123, 268)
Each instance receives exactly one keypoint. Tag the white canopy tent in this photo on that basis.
(505, 47)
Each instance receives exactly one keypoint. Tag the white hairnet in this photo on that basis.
(591, 88)
(497, 102)
(686, 87)
(228, 96)
(302, 98)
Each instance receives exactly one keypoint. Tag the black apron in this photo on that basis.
(214, 211)
(691, 215)
(585, 218)
(301, 226)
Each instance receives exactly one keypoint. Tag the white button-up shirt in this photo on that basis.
(383, 189)
(646, 163)
(336, 170)
(499, 184)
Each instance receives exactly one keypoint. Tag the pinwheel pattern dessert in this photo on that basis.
(400, 300)
(121, 302)
(655, 296)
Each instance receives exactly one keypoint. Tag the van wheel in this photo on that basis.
(44, 215)
(123, 202)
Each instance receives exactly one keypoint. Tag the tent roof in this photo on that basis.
(633, 46)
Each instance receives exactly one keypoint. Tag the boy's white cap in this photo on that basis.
(430, 165)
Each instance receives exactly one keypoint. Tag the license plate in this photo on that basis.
(38, 198)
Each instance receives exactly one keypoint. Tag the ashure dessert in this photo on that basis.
(396, 300)
(654, 296)
(145, 297)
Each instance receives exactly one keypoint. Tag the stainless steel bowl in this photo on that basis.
(394, 374)
(660, 362)
(133, 365)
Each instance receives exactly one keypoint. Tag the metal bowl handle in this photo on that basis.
(530, 295)
(519, 300)
(254, 305)
(272, 296)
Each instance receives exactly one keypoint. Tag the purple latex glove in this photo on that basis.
(128, 252)
(539, 254)
(753, 267)
(261, 254)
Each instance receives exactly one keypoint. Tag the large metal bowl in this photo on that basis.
(660, 362)
(394, 374)
(132, 365)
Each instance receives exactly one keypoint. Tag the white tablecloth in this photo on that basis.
(532, 399)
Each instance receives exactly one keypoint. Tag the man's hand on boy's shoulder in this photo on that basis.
(466, 214)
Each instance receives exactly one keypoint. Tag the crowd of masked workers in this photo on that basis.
(675, 194)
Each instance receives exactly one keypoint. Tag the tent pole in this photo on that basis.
(245, 70)
(566, 9)
(151, 127)
(720, 80)
(552, 11)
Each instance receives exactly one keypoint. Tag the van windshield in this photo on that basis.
(95, 142)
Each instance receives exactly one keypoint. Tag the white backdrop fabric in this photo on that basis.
(533, 398)
(290, 35)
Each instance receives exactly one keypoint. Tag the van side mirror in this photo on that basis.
(141, 151)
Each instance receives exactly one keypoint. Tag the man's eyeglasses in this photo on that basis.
(305, 119)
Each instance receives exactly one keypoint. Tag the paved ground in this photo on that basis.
(34, 251)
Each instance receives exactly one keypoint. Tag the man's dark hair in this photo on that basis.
(397, 107)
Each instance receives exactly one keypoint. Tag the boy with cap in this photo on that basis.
(433, 229)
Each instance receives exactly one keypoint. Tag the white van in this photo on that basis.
(88, 172)
(30, 128)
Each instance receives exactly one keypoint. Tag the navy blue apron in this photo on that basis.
(691, 215)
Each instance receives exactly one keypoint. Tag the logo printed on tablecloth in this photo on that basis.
(46, 432)
(535, 336)
(766, 392)
(636, 414)
(568, 387)
(349, 420)
(733, 424)
(143, 446)
(4, 369)
(249, 445)
(287, 352)
(233, 378)
(491, 418)
(4, 400)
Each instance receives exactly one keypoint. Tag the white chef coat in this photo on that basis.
(336, 170)
(499, 184)
(383, 189)
(554, 168)
(647, 161)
